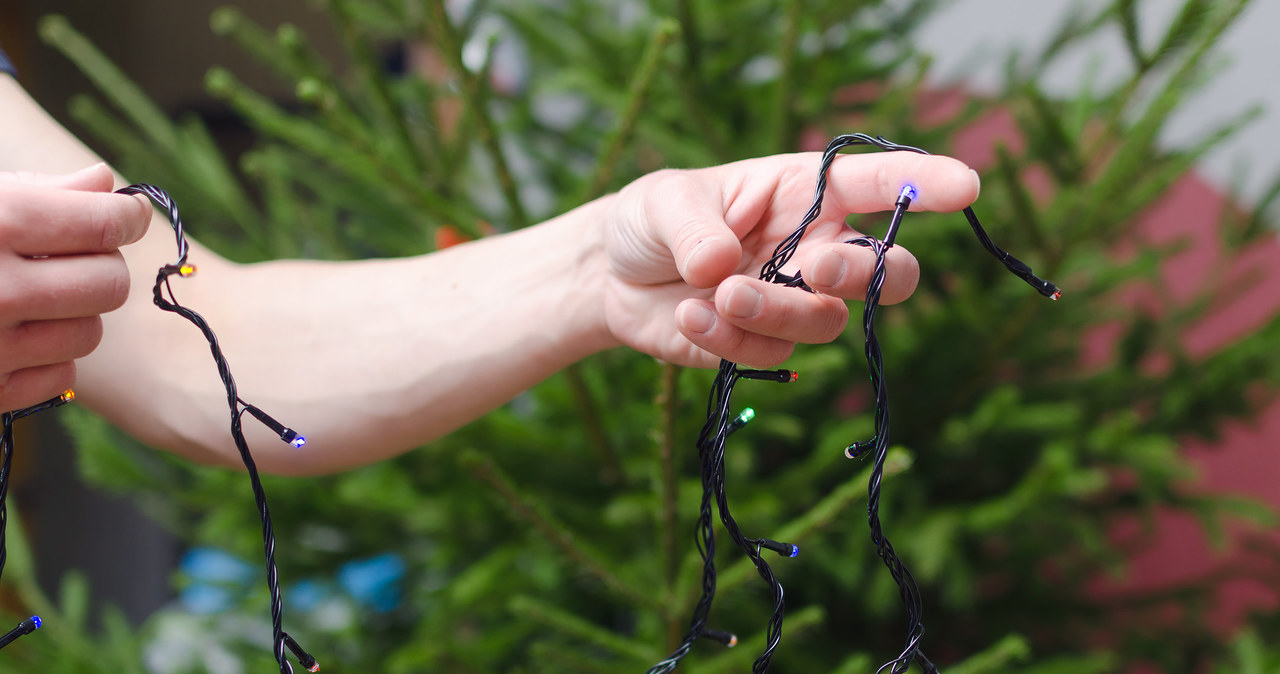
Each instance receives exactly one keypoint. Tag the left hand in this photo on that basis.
(684, 248)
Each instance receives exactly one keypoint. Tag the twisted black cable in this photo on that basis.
(6, 464)
(164, 298)
(717, 427)
(705, 538)
(879, 443)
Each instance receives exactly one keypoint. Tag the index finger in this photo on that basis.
(871, 182)
(39, 221)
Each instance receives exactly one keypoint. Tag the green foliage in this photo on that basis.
(555, 534)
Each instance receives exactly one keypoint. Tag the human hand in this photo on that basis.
(60, 268)
(684, 248)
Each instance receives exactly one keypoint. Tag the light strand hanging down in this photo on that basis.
(720, 424)
(6, 464)
(164, 298)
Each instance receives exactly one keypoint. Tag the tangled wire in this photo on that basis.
(164, 298)
(720, 424)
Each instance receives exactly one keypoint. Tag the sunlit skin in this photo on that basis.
(371, 358)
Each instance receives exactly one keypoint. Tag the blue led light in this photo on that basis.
(36, 619)
(298, 442)
(909, 192)
(795, 550)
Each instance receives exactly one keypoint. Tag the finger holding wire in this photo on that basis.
(747, 302)
(753, 318)
(844, 271)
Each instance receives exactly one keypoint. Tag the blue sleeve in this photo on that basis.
(5, 65)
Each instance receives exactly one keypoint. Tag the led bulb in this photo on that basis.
(784, 549)
(291, 436)
(68, 395)
(747, 414)
(780, 376)
(908, 192)
(187, 270)
(727, 638)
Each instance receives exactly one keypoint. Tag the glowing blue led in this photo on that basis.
(298, 442)
(795, 550)
(35, 619)
(908, 192)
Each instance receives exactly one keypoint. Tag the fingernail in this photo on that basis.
(744, 301)
(978, 179)
(828, 270)
(698, 318)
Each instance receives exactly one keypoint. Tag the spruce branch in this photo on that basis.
(354, 161)
(146, 116)
(823, 512)
(668, 406)
(799, 621)
(539, 612)
(589, 413)
(780, 114)
(385, 111)
(524, 509)
(637, 95)
(476, 95)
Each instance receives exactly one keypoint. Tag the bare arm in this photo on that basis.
(371, 358)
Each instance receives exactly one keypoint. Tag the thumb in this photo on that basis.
(688, 218)
(706, 252)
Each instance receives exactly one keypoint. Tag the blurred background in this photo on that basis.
(1080, 486)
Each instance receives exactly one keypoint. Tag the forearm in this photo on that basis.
(368, 359)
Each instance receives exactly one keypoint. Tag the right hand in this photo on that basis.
(684, 247)
(60, 269)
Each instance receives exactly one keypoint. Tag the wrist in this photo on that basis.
(584, 270)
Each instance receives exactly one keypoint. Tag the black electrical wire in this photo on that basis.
(719, 425)
(164, 298)
(6, 464)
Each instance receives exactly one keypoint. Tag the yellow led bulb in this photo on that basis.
(68, 395)
(187, 270)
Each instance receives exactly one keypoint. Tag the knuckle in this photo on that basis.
(11, 303)
(832, 323)
(105, 219)
(116, 287)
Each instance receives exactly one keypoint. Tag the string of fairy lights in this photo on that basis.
(33, 623)
(720, 423)
(165, 299)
